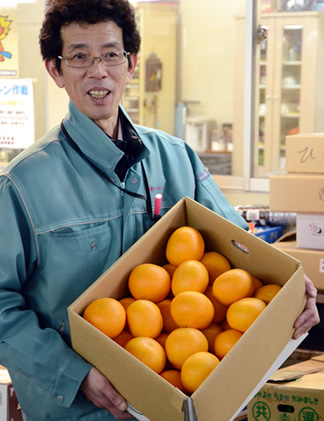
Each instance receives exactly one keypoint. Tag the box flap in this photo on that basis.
(295, 371)
(233, 380)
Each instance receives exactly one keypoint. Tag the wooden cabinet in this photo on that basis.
(152, 90)
(289, 86)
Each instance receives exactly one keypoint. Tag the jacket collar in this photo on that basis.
(93, 142)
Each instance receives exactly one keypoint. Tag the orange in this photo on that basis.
(233, 285)
(216, 264)
(168, 323)
(183, 342)
(225, 341)
(190, 275)
(241, 314)
(224, 325)
(149, 351)
(192, 309)
(144, 318)
(170, 268)
(267, 292)
(126, 301)
(196, 369)
(107, 315)
(185, 243)
(162, 339)
(148, 281)
(123, 338)
(219, 309)
(173, 377)
(211, 332)
(257, 283)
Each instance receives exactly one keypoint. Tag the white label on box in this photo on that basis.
(310, 231)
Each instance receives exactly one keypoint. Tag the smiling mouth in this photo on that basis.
(98, 94)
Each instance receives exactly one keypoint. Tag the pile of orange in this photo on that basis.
(181, 318)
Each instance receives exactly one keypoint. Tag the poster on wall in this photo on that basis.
(8, 42)
(17, 129)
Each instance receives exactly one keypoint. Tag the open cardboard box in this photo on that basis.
(295, 392)
(249, 364)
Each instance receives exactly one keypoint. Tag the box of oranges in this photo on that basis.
(200, 314)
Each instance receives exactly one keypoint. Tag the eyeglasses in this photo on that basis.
(111, 58)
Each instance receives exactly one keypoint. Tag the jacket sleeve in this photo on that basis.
(208, 193)
(26, 348)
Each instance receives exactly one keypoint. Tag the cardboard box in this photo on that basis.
(294, 393)
(305, 153)
(302, 193)
(310, 231)
(311, 260)
(9, 406)
(250, 362)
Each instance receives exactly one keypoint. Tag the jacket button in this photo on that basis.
(93, 245)
(60, 398)
(134, 180)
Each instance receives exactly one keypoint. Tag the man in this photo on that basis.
(76, 200)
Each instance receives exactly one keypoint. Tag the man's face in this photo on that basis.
(95, 90)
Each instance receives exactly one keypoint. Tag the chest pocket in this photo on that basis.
(71, 259)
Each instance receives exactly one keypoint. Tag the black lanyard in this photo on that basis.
(105, 177)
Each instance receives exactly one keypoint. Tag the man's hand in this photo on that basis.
(309, 316)
(99, 390)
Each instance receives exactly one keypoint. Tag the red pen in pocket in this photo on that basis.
(157, 206)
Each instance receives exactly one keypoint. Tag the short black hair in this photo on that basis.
(60, 13)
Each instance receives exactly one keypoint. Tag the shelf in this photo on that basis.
(290, 115)
(292, 63)
(291, 86)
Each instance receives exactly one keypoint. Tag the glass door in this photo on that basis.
(291, 67)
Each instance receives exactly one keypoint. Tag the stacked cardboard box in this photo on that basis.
(293, 393)
(301, 190)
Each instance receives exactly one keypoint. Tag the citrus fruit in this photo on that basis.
(149, 351)
(126, 301)
(241, 314)
(148, 281)
(170, 268)
(224, 325)
(185, 243)
(190, 275)
(173, 377)
(192, 309)
(183, 342)
(162, 339)
(196, 369)
(225, 341)
(107, 315)
(219, 309)
(168, 323)
(215, 263)
(257, 283)
(233, 285)
(211, 332)
(123, 338)
(144, 319)
(267, 292)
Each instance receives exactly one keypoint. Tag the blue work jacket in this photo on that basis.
(61, 226)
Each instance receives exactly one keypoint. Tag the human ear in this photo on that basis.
(54, 72)
(132, 60)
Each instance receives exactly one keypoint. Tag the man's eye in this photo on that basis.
(79, 56)
(111, 55)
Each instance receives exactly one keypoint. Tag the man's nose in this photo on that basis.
(97, 66)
